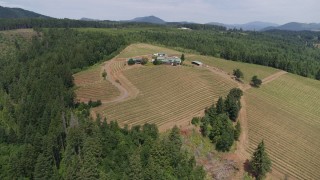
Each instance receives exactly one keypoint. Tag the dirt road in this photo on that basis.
(273, 77)
(126, 88)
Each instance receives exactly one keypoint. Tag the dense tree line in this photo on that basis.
(217, 122)
(22, 23)
(45, 134)
(290, 51)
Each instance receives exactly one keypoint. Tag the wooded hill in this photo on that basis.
(6, 12)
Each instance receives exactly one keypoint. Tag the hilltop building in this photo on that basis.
(170, 60)
(160, 54)
(198, 63)
(165, 59)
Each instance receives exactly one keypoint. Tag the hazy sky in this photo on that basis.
(201, 11)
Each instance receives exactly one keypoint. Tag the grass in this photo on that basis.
(286, 114)
(248, 70)
(145, 49)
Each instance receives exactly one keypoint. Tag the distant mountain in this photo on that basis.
(88, 19)
(148, 19)
(6, 12)
(295, 26)
(251, 26)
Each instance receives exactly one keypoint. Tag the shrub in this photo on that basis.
(237, 73)
(104, 74)
(157, 62)
(131, 62)
(195, 121)
(144, 60)
(255, 81)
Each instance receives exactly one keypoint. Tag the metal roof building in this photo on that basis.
(197, 63)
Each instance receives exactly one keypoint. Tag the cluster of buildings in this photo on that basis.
(165, 59)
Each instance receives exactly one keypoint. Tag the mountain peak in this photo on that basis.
(149, 19)
(296, 26)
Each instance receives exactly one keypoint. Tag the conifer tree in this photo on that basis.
(220, 106)
(260, 163)
(182, 57)
(43, 168)
(318, 75)
(135, 171)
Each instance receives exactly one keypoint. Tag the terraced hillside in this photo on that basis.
(168, 95)
(90, 85)
(286, 114)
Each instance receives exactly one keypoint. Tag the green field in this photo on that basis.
(286, 114)
(145, 49)
(249, 70)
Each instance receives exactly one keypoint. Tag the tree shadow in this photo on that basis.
(246, 166)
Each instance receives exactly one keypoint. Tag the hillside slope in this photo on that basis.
(286, 114)
(149, 19)
(295, 26)
(284, 111)
(6, 12)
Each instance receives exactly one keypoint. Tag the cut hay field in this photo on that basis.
(90, 85)
(168, 95)
(286, 114)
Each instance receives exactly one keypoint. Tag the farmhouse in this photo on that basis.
(160, 54)
(170, 60)
(198, 63)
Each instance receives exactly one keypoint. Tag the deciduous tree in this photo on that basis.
(238, 73)
(255, 81)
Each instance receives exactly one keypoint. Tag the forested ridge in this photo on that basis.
(45, 134)
(293, 51)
